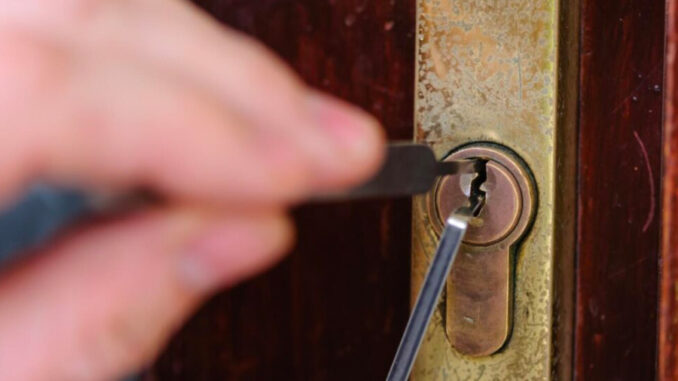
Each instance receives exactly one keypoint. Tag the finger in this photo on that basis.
(102, 303)
(257, 83)
(343, 143)
(105, 121)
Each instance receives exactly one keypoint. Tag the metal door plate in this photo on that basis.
(490, 71)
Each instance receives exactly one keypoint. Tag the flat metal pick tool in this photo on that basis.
(408, 169)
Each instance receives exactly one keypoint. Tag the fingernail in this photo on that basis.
(227, 252)
(349, 129)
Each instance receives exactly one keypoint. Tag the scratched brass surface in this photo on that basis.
(479, 297)
(504, 71)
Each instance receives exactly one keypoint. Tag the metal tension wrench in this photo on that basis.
(436, 276)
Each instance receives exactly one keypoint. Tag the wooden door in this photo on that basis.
(668, 327)
(620, 135)
(334, 310)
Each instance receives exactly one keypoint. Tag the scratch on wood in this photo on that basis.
(633, 265)
(650, 214)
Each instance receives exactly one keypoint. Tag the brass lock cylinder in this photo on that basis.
(480, 286)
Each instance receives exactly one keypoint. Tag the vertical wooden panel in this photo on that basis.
(620, 167)
(336, 308)
(668, 327)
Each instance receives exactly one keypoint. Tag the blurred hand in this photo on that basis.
(153, 93)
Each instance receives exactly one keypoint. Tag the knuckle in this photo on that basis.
(182, 112)
(279, 78)
(86, 20)
(57, 13)
(128, 341)
(29, 68)
(289, 171)
(119, 344)
(267, 70)
(287, 238)
(80, 10)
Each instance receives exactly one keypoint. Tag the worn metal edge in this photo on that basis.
(565, 230)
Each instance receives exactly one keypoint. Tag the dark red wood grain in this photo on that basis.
(622, 58)
(668, 318)
(334, 310)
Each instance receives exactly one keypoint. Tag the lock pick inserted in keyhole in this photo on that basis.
(435, 279)
(408, 169)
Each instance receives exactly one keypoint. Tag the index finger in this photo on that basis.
(106, 121)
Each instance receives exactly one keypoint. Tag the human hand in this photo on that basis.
(121, 94)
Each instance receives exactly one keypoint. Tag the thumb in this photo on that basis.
(101, 303)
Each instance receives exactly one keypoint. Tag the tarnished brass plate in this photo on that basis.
(503, 71)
